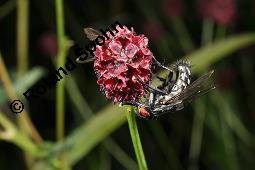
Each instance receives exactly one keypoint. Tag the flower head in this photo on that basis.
(48, 44)
(172, 8)
(221, 11)
(123, 65)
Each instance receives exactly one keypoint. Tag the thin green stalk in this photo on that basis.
(22, 60)
(163, 48)
(247, 68)
(227, 135)
(63, 46)
(136, 139)
(229, 145)
(231, 118)
(10, 133)
(220, 32)
(116, 151)
(197, 134)
(27, 124)
(22, 36)
(166, 146)
(86, 112)
(182, 34)
(207, 31)
(60, 96)
(104, 160)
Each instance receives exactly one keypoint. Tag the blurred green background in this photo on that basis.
(77, 128)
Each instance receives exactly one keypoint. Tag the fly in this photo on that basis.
(172, 95)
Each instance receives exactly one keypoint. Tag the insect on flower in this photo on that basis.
(123, 65)
(172, 95)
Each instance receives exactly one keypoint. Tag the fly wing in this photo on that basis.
(194, 89)
(91, 33)
(198, 94)
(199, 81)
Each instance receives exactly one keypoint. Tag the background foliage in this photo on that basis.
(79, 129)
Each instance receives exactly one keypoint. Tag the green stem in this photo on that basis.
(166, 146)
(136, 139)
(220, 32)
(25, 122)
(163, 48)
(197, 134)
(86, 112)
(22, 36)
(60, 93)
(207, 31)
(12, 134)
(183, 34)
(227, 136)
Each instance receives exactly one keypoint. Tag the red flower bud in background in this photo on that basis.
(221, 11)
(172, 8)
(48, 44)
(123, 65)
(153, 30)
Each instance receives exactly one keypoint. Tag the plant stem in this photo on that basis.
(220, 32)
(228, 137)
(136, 139)
(197, 134)
(12, 134)
(182, 34)
(86, 112)
(28, 125)
(207, 31)
(22, 36)
(60, 96)
(63, 46)
(166, 146)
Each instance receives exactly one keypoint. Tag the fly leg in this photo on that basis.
(156, 90)
(161, 79)
(151, 102)
(160, 65)
(160, 111)
(169, 81)
(153, 89)
(134, 103)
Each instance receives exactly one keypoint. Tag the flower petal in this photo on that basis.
(131, 50)
(115, 47)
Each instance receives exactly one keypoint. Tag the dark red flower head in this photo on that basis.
(123, 65)
(172, 8)
(48, 44)
(221, 11)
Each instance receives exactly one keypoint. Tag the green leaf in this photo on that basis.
(22, 84)
(84, 138)
(208, 55)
